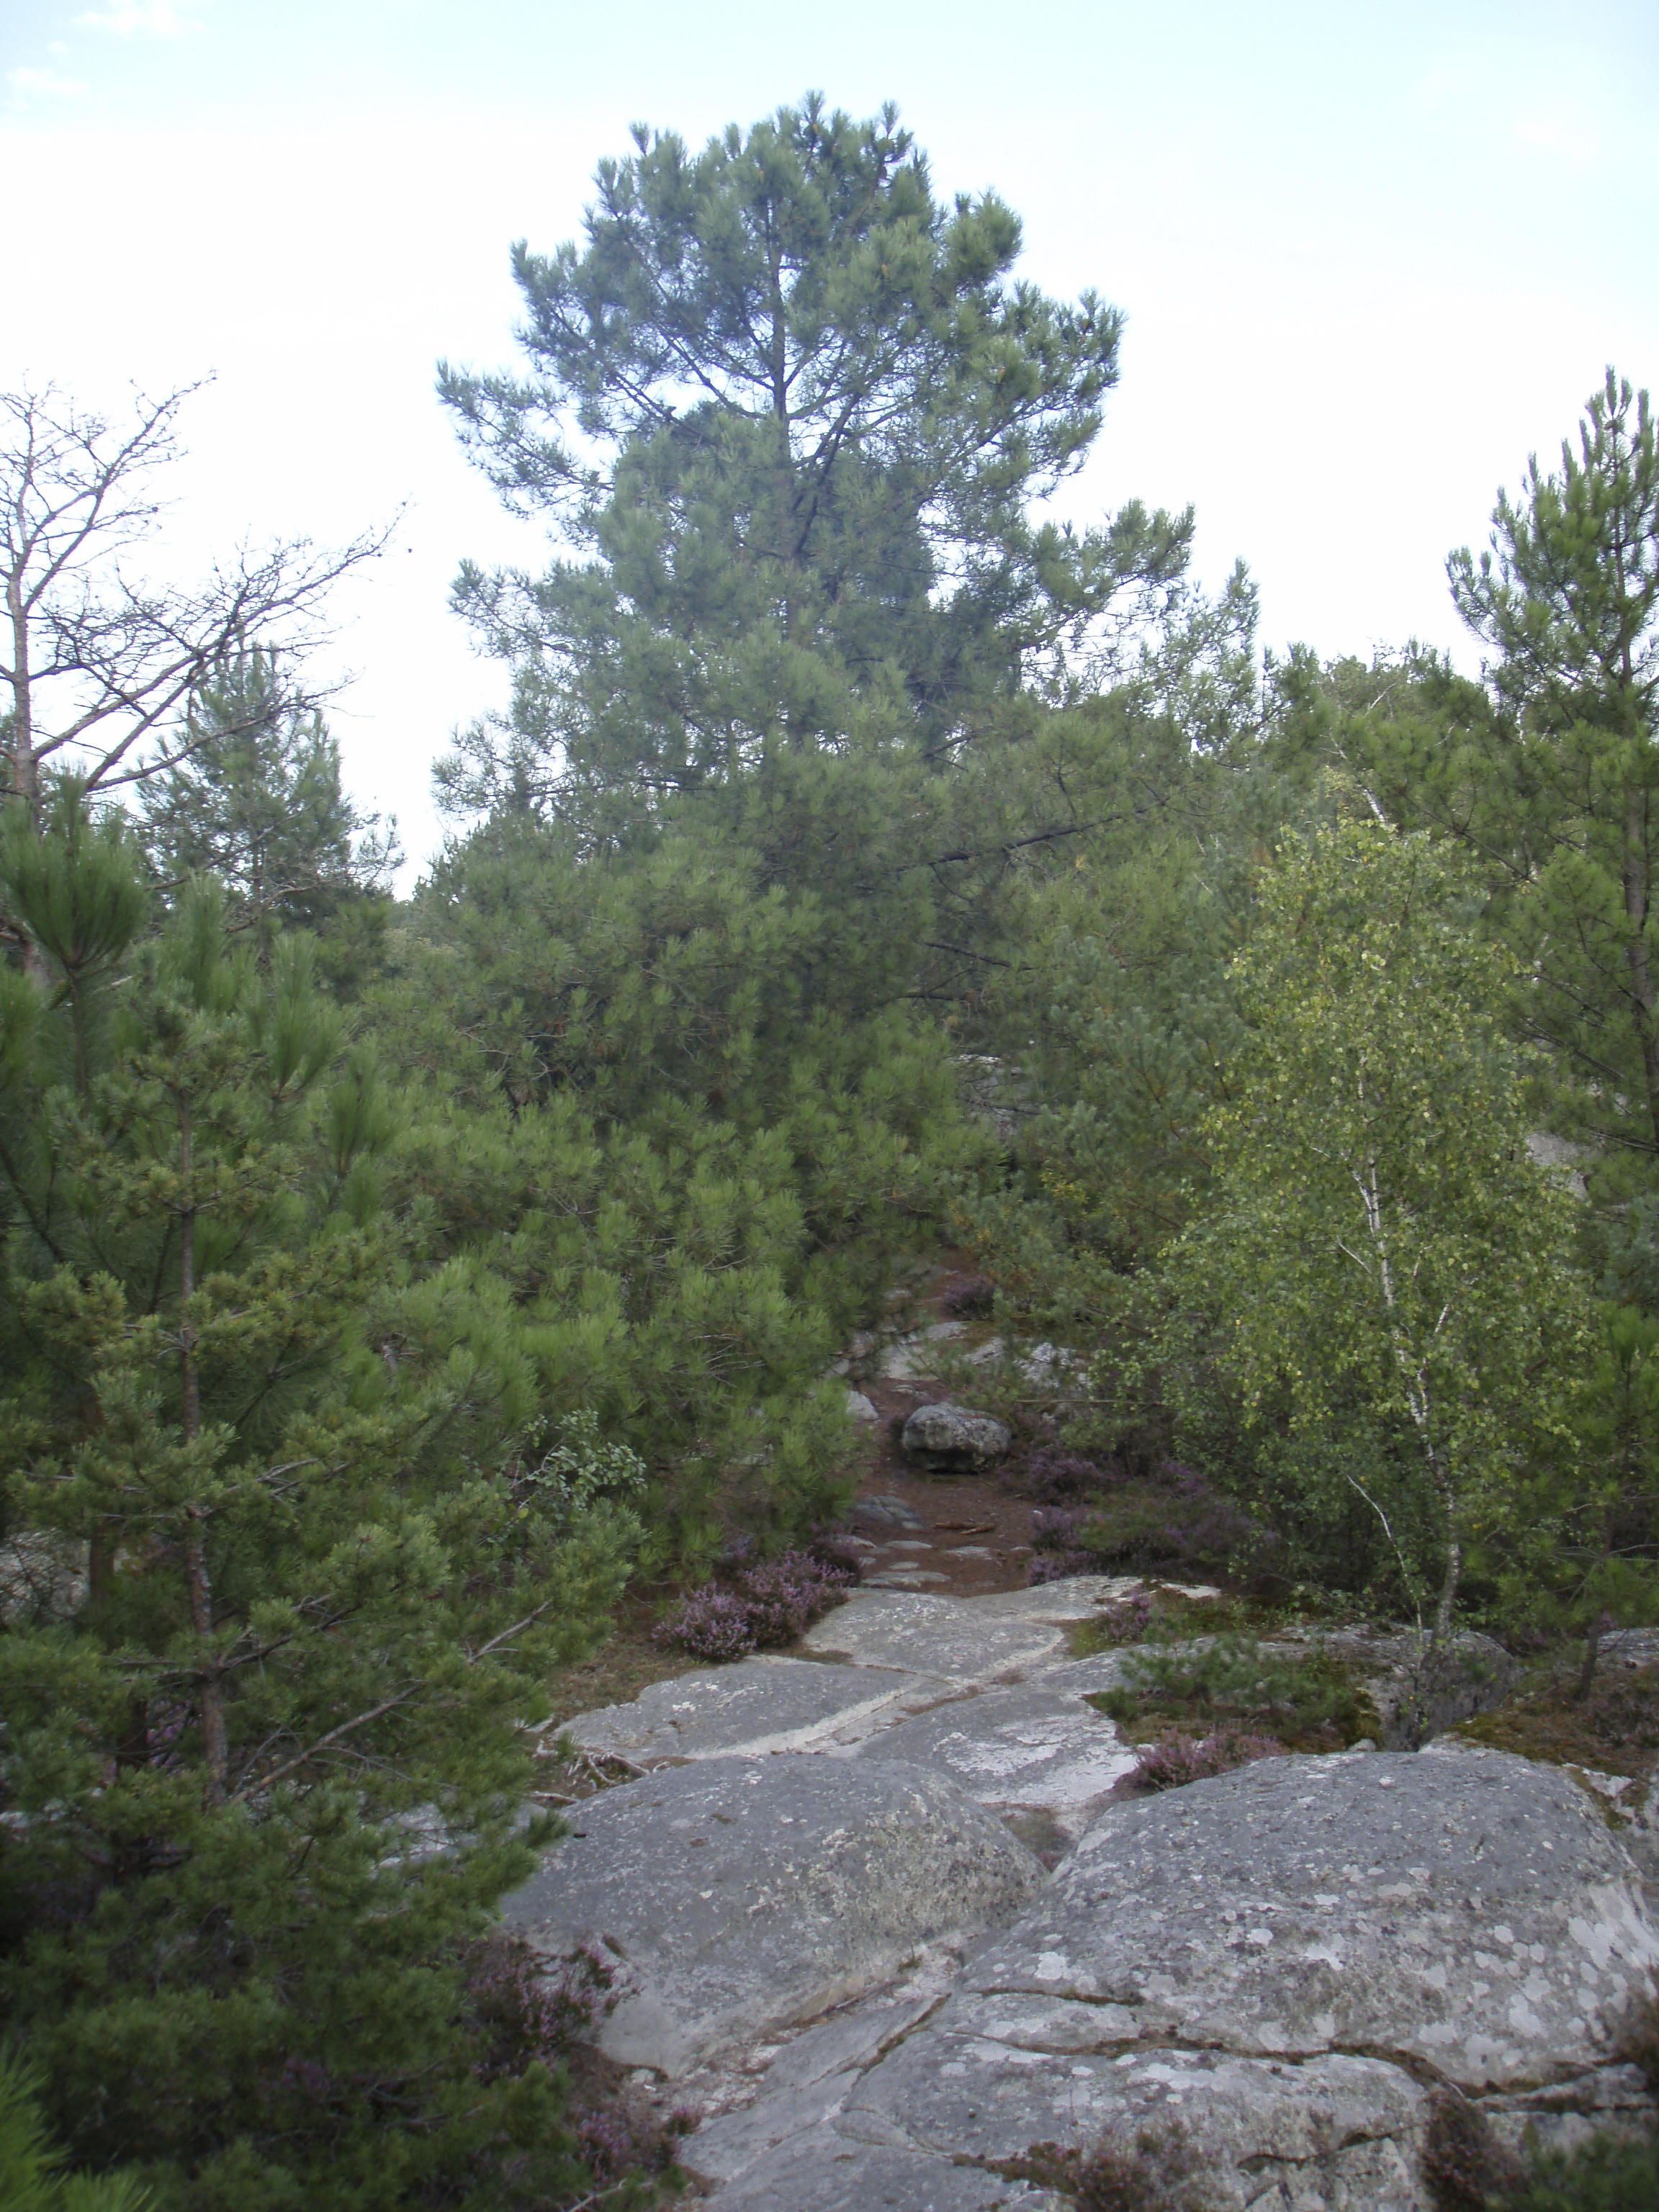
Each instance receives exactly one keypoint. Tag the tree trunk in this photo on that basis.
(1592, 1653)
(1452, 1576)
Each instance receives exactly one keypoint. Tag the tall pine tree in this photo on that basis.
(792, 416)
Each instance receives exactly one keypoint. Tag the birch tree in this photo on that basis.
(1384, 1251)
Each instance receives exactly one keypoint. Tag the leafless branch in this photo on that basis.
(97, 660)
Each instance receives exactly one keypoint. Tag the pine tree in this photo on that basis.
(1545, 773)
(791, 415)
(322, 1593)
(254, 797)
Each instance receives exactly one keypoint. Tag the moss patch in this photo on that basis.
(1615, 1731)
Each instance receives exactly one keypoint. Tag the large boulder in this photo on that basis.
(1278, 1970)
(736, 1897)
(954, 1439)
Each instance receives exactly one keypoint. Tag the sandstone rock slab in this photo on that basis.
(760, 1706)
(1027, 1747)
(807, 2082)
(1468, 1911)
(738, 1896)
(823, 2171)
(939, 1636)
(1271, 1973)
(1073, 1598)
(1337, 2133)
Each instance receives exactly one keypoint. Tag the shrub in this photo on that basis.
(1127, 1621)
(1176, 1516)
(711, 1623)
(1055, 1477)
(1175, 1760)
(1157, 2173)
(1305, 1702)
(1055, 1551)
(1609, 2173)
(971, 1299)
(771, 1604)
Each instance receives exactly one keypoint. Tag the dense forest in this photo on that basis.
(391, 1284)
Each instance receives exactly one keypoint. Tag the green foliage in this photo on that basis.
(1115, 1007)
(263, 1784)
(1307, 1702)
(252, 796)
(1390, 1271)
(31, 2178)
(1593, 1564)
(1545, 775)
(1609, 2173)
(791, 415)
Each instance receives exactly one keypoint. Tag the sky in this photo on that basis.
(1372, 258)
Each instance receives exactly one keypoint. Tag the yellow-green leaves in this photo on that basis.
(1388, 1255)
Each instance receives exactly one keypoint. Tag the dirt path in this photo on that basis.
(955, 1537)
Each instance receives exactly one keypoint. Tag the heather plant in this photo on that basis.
(1053, 1478)
(1128, 1620)
(1056, 1553)
(1157, 2172)
(1173, 1516)
(1175, 1760)
(770, 1604)
(971, 1299)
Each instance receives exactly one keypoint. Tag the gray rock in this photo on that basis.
(1420, 1690)
(761, 1706)
(1337, 2132)
(1047, 1363)
(739, 1896)
(861, 1408)
(885, 1513)
(1020, 1748)
(1073, 1598)
(938, 1636)
(807, 2082)
(1465, 1910)
(823, 2171)
(954, 1439)
(906, 1360)
(1278, 1966)
(43, 1577)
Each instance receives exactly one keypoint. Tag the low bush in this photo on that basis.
(971, 1299)
(1174, 1517)
(764, 1607)
(1175, 1760)
(1155, 2173)
(1055, 1550)
(1306, 1702)
(1051, 1478)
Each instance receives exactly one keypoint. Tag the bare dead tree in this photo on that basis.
(97, 663)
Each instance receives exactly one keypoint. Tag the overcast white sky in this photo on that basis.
(1372, 255)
